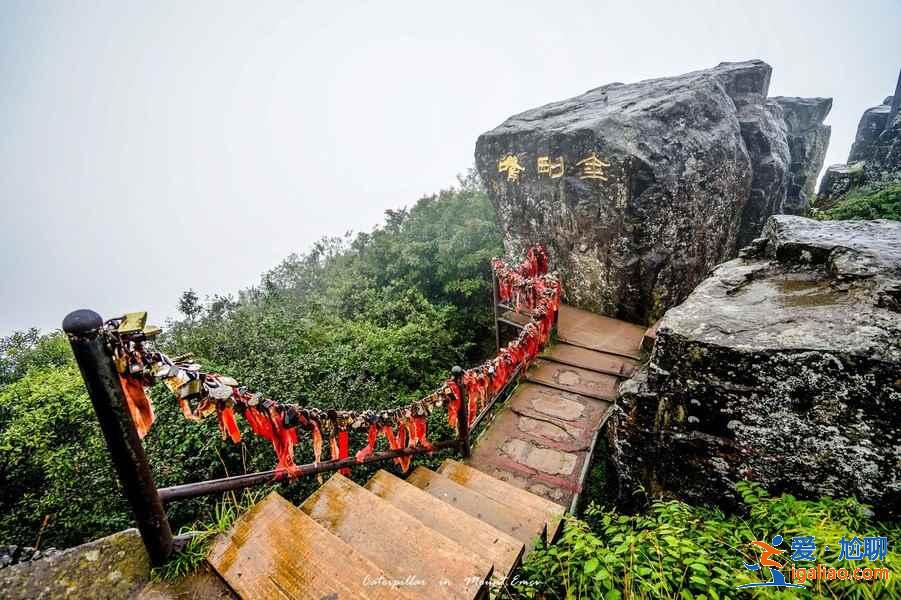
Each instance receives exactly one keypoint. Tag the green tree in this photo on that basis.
(373, 320)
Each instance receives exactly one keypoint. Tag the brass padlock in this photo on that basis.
(132, 322)
(150, 331)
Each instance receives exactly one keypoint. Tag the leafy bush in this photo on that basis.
(676, 550)
(370, 321)
(880, 203)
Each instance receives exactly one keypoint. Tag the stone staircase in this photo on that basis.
(446, 533)
(543, 439)
(443, 534)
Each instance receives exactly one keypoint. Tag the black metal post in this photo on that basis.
(497, 328)
(95, 360)
(462, 414)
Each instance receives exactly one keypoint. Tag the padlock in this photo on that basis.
(132, 323)
(151, 331)
(290, 418)
(219, 392)
(174, 382)
(190, 389)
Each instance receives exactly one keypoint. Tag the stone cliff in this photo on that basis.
(638, 190)
(783, 367)
(875, 156)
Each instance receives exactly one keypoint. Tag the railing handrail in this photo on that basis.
(94, 354)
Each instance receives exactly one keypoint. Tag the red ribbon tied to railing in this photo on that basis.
(140, 364)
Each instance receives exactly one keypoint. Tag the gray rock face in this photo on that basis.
(837, 181)
(111, 568)
(783, 367)
(638, 190)
(808, 140)
(875, 156)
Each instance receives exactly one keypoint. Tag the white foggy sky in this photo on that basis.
(150, 147)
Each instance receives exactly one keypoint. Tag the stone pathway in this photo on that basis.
(541, 439)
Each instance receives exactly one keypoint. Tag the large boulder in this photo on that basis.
(638, 190)
(783, 367)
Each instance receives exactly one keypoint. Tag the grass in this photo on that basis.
(866, 203)
(226, 511)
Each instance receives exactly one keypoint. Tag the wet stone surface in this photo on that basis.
(112, 567)
(546, 460)
(547, 429)
(560, 408)
(783, 367)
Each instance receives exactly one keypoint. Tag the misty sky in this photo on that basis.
(151, 147)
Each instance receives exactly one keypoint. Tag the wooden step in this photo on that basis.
(503, 492)
(276, 551)
(476, 536)
(590, 359)
(596, 332)
(405, 548)
(592, 384)
(524, 524)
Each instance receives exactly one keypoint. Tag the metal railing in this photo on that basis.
(94, 356)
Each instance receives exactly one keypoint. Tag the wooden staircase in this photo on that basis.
(442, 534)
(446, 533)
(542, 440)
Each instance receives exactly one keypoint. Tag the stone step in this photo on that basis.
(503, 492)
(276, 551)
(596, 332)
(573, 379)
(524, 524)
(475, 535)
(592, 360)
(540, 441)
(407, 550)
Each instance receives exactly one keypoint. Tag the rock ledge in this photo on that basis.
(783, 367)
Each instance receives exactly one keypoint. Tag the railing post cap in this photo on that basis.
(82, 321)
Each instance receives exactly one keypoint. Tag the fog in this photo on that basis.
(147, 148)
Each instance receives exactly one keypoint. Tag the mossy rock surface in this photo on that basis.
(115, 566)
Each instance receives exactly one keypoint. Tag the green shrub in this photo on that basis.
(882, 203)
(680, 551)
(371, 321)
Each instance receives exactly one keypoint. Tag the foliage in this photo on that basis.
(367, 321)
(24, 350)
(867, 203)
(676, 550)
(53, 461)
(188, 559)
